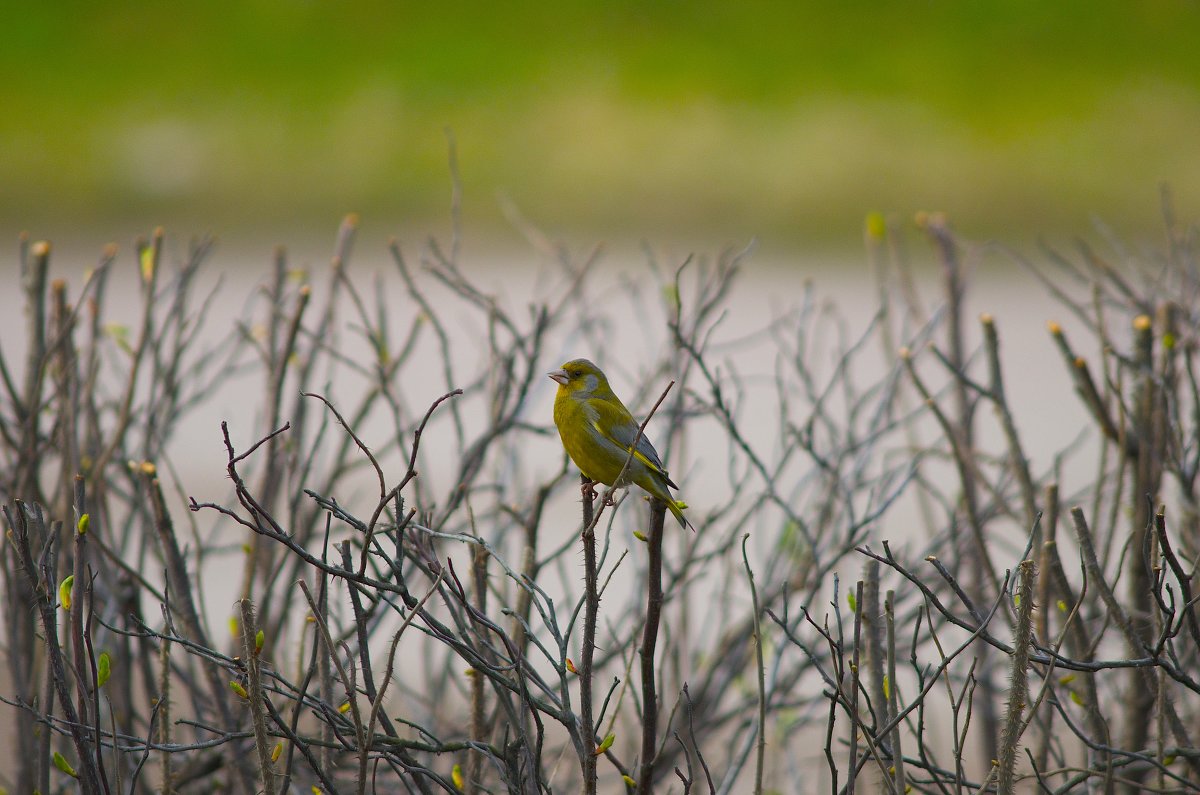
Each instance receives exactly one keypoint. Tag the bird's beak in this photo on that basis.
(558, 375)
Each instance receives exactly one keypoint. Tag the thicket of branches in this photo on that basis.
(415, 612)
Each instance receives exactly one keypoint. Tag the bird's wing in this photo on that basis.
(616, 424)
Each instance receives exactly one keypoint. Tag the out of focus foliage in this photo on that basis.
(609, 118)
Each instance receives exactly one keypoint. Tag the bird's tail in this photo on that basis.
(657, 488)
(676, 508)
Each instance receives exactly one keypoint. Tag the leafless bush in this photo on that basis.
(416, 614)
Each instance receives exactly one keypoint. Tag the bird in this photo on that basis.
(598, 433)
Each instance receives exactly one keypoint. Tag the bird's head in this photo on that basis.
(580, 377)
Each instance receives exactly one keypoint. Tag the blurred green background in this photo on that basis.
(616, 119)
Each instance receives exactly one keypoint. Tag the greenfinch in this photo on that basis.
(598, 433)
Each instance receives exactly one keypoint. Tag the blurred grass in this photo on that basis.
(617, 118)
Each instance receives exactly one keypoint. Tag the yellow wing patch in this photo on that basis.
(637, 454)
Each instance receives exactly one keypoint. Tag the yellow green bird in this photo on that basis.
(598, 432)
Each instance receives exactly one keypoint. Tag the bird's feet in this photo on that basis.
(588, 489)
